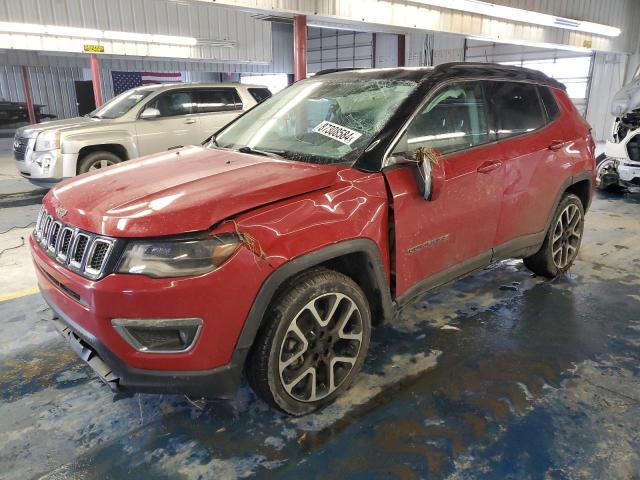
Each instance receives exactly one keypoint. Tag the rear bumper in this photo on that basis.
(219, 382)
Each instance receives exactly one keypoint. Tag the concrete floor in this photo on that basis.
(500, 375)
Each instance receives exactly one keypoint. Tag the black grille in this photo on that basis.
(83, 252)
(55, 232)
(20, 148)
(81, 247)
(65, 242)
(100, 250)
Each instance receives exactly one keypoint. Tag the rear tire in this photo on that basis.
(97, 160)
(301, 361)
(562, 242)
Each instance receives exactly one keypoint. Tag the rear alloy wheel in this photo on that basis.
(313, 342)
(97, 161)
(562, 242)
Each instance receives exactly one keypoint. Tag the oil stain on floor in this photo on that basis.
(500, 375)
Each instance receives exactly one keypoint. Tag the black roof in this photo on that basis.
(490, 71)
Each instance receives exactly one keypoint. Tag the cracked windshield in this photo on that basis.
(318, 121)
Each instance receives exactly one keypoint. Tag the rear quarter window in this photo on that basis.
(218, 100)
(549, 102)
(517, 107)
(260, 94)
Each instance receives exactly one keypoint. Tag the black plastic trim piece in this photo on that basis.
(300, 264)
(221, 382)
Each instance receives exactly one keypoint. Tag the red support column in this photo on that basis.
(26, 86)
(95, 77)
(300, 47)
(401, 50)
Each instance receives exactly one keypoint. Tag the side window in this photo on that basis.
(218, 100)
(454, 119)
(549, 102)
(171, 104)
(259, 94)
(517, 108)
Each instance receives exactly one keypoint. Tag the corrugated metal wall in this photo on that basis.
(252, 37)
(53, 76)
(395, 15)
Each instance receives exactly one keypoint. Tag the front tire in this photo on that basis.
(562, 242)
(97, 160)
(313, 342)
(605, 169)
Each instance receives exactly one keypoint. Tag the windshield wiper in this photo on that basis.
(265, 153)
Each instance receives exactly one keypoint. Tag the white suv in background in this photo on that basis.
(137, 122)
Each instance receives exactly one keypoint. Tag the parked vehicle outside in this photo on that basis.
(138, 122)
(306, 221)
(619, 165)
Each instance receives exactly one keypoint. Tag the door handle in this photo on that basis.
(556, 145)
(189, 121)
(489, 166)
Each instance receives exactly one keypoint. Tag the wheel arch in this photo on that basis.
(360, 259)
(116, 148)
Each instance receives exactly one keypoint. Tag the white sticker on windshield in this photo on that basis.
(337, 132)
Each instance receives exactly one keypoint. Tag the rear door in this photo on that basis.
(531, 139)
(177, 124)
(453, 233)
(216, 107)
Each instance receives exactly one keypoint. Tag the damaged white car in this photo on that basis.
(619, 165)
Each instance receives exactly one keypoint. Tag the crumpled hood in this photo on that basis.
(180, 191)
(31, 131)
(627, 99)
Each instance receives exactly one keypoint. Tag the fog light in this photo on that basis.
(159, 335)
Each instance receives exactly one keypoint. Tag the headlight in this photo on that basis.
(48, 141)
(178, 258)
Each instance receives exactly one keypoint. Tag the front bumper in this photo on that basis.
(219, 382)
(222, 299)
(45, 169)
(629, 171)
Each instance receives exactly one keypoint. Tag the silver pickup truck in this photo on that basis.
(138, 122)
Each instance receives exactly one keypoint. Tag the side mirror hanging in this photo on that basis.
(430, 173)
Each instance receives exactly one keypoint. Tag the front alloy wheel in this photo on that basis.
(320, 347)
(605, 166)
(101, 163)
(312, 343)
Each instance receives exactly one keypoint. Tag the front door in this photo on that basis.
(453, 233)
(177, 124)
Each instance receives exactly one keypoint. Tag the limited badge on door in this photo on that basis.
(337, 132)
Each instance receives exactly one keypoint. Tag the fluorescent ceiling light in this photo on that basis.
(520, 15)
(553, 46)
(90, 33)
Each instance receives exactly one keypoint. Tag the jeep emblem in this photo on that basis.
(61, 212)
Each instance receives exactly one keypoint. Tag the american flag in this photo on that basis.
(123, 81)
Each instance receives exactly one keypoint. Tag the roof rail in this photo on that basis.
(334, 70)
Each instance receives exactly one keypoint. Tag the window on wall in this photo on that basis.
(274, 81)
(572, 71)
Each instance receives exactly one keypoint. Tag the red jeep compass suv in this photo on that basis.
(274, 248)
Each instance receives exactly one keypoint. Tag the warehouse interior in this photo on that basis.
(501, 373)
